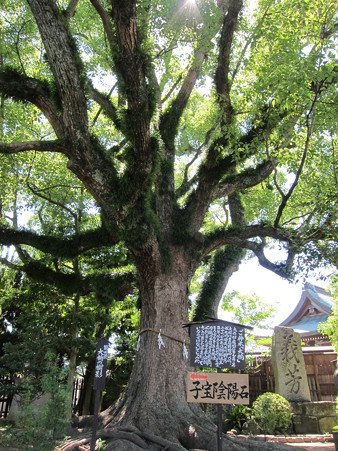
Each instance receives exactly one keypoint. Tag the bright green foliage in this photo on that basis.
(41, 427)
(41, 321)
(249, 310)
(330, 327)
(272, 412)
(237, 416)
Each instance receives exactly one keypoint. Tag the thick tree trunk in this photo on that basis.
(153, 406)
(153, 411)
(155, 399)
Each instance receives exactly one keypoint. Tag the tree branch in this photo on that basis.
(283, 269)
(62, 58)
(187, 184)
(70, 11)
(239, 236)
(224, 263)
(215, 166)
(222, 72)
(171, 118)
(107, 26)
(87, 157)
(172, 89)
(11, 265)
(168, 129)
(248, 43)
(17, 47)
(58, 247)
(131, 65)
(286, 197)
(243, 238)
(246, 179)
(56, 146)
(26, 89)
(107, 106)
(113, 286)
(38, 193)
(100, 109)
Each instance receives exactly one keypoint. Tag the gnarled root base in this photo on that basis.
(132, 439)
(173, 425)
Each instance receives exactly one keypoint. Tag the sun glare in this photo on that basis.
(188, 10)
(190, 5)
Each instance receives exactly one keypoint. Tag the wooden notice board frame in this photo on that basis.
(217, 344)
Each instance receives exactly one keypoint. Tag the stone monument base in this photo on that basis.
(316, 417)
(37, 405)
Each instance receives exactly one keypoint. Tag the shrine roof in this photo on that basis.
(321, 296)
(314, 302)
(309, 323)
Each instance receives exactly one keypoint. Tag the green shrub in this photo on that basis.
(237, 416)
(41, 427)
(272, 412)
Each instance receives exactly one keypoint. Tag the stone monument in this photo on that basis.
(288, 365)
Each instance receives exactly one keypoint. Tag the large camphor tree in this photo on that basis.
(200, 130)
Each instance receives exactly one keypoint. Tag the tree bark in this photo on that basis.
(154, 400)
(154, 403)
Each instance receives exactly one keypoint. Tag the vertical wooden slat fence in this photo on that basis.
(77, 389)
(319, 365)
(5, 398)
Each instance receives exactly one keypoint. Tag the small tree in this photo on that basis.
(249, 310)
(40, 426)
(330, 327)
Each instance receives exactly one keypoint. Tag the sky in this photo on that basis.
(251, 278)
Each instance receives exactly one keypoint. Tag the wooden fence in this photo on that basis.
(319, 365)
(5, 399)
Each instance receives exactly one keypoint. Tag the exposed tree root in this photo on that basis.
(132, 439)
(141, 439)
(132, 435)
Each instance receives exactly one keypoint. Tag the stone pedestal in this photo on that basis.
(317, 417)
(288, 365)
(37, 406)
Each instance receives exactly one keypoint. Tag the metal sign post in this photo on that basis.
(219, 423)
(99, 383)
(218, 344)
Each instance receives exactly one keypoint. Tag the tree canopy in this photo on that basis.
(265, 128)
(149, 138)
